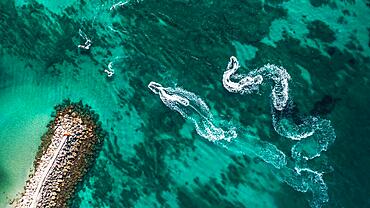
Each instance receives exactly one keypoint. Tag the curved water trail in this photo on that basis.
(246, 84)
(313, 134)
(191, 107)
(88, 42)
(304, 180)
(239, 140)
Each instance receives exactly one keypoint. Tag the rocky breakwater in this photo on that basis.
(67, 150)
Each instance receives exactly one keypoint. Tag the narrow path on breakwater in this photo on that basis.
(46, 172)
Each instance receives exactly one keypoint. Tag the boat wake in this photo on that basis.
(312, 135)
(238, 140)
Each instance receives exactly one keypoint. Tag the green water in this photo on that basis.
(153, 156)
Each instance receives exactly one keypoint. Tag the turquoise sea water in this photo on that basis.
(153, 156)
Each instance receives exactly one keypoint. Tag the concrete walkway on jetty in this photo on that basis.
(46, 172)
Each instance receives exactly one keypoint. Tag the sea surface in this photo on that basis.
(155, 156)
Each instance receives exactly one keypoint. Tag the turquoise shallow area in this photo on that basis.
(153, 157)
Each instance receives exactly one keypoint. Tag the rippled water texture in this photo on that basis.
(191, 139)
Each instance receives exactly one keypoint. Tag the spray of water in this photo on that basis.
(88, 42)
(190, 106)
(246, 84)
(313, 134)
(238, 140)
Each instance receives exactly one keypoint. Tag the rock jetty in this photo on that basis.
(67, 150)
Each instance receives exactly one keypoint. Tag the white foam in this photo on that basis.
(110, 70)
(250, 83)
(246, 84)
(119, 4)
(87, 43)
(313, 134)
(192, 107)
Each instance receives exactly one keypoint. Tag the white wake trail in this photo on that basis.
(191, 107)
(313, 134)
